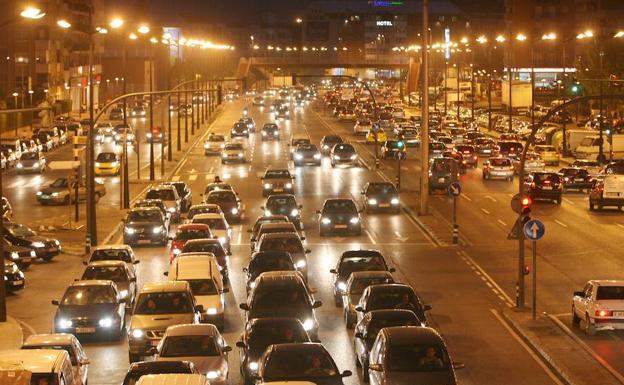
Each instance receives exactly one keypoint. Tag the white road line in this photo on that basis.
(485, 211)
(527, 348)
(240, 236)
(490, 198)
(175, 178)
(501, 222)
(370, 236)
(566, 200)
(192, 177)
(211, 170)
(560, 223)
(620, 225)
(474, 264)
(466, 197)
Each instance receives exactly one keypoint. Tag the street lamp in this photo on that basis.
(30, 94)
(63, 24)
(143, 29)
(32, 13)
(15, 95)
(116, 23)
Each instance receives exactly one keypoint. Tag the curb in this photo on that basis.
(545, 357)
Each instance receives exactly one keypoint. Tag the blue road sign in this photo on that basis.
(534, 229)
(454, 189)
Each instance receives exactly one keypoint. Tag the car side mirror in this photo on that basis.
(307, 251)
(136, 262)
(427, 307)
(86, 263)
(300, 207)
(302, 238)
(317, 304)
(359, 335)
(244, 306)
(55, 302)
(84, 361)
(133, 279)
(153, 350)
(346, 373)
(318, 212)
(123, 220)
(392, 270)
(333, 271)
(376, 367)
(360, 309)
(484, 164)
(579, 294)
(225, 290)
(249, 231)
(261, 207)
(166, 273)
(199, 308)
(227, 349)
(241, 344)
(458, 365)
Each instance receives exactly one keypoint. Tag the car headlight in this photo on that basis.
(130, 230)
(177, 251)
(394, 201)
(252, 284)
(213, 374)
(14, 268)
(39, 193)
(300, 264)
(298, 156)
(288, 185)
(336, 157)
(137, 333)
(172, 209)
(253, 366)
(157, 230)
(294, 213)
(206, 146)
(267, 185)
(275, 133)
(308, 325)
(240, 154)
(19, 165)
(38, 244)
(65, 323)
(222, 146)
(123, 293)
(56, 242)
(222, 240)
(317, 156)
(211, 311)
(264, 133)
(354, 220)
(234, 210)
(14, 256)
(325, 147)
(325, 220)
(245, 131)
(54, 194)
(143, 113)
(106, 322)
(35, 165)
(224, 155)
(342, 287)
(353, 157)
(372, 201)
(267, 213)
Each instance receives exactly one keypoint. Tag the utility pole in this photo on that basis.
(424, 131)
(91, 220)
(151, 118)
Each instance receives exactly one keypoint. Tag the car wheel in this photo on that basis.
(559, 200)
(590, 329)
(338, 300)
(575, 319)
(365, 375)
(133, 357)
(592, 207)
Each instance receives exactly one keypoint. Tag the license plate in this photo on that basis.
(26, 259)
(618, 313)
(85, 330)
(384, 205)
(144, 241)
(547, 188)
(278, 189)
(440, 180)
(340, 226)
(579, 180)
(17, 283)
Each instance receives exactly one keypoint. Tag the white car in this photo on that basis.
(214, 144)
(233, 152)
(218, 226)
(201, 344)
(67, 342)
(362, 126)
(600, 306)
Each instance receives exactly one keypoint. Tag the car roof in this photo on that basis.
(370, 274)
(145, 208)
(151, 366)
(279, 235)
(107, 263)
(173, 379)
(49, 339)
(208, 216)
(412, 334)
(113, 247)
(33, 360)
(192, 226)
(280, 278)
(165, 286)
(92, 282)
(192, 329)
(278, 225)
(607, 282)
(389, 286)
(305, 346)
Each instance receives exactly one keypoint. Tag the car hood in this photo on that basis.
(159, 321)
(143, 225)
(273, 180)
(36, 238)
(203, 364)
(91, 311)
(421, 378)
(50, 190)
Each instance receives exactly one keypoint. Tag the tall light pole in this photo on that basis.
(424, 132)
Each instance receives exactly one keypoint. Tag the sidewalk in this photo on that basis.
(11, 334)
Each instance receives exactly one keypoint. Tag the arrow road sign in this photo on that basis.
(454, 189)
(534, 229)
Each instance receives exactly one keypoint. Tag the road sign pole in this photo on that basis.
(455, 226)
(399, 171)
(534, 280)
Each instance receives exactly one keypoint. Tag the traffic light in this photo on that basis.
(400, 144)
(576, 89)
(526, 210)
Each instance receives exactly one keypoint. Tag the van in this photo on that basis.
(173, 379)
(202, 272)
(442, 172)
(53, 365)
(607, 190)
(69, 343)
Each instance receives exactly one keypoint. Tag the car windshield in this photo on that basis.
(276, 202)
(298, 363)
(393, 299)
(465, 149)
(381, 189)
(510, 147)
(280, 174)
(261, 336)
(578, 172)
(203, 286)
(337, 139)
(340, 206)
(221, 197)
(361, 263)
(20, 231)
(234, 146)
(291, 298)
(610, 293)
(262, 221)
(392, 144)
(364, 122)
(306, 147)
(500, 162)
(85, 295)
(152, 216)
(550, 178)
(163, 303)
(201, 210)
(442, 165)
(417, 358)
(163, 194)
(186, 234)
(291, 245)
(29, 156)
(269, 127)
(358, 285)
(343, 147)
(240, 126)
(112, 273)
(216, 138)
(106, 157)
(189, 346)
(270, 262)
(213, 223)
(204, 247)
(59, 183)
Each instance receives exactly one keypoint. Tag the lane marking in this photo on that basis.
(501, 222)
(370, 236)
(479, 271)
(620, 225)
(566, 200)
(490, 198)
(465, 197)
(175, 178)
(210, 170)
(192, 177)
(485, 211)
(560, 223)
(528, 349)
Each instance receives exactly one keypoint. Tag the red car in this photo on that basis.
(186, 233)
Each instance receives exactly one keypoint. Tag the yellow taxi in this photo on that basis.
(107, 163)
(381, 136)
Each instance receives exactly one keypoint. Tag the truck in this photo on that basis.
(574, 137)
(521, 98)
(589, 148)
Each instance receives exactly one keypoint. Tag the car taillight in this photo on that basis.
(532, 184)
(566, 179)
(474, 157)
(604, 313)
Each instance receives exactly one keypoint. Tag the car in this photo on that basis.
(544, 185)
(607, 190)
(187, 232)
(532, 163)
(158, 306)
(230, 204)
(116, 113)
(376, 135)
(239, 130)
(411, 354)
(265, 219)
(284, 204)
(599, 306)
(339, 215)
(154, 203)
(509, 148)
(155, 135)
(469, 153)
(63, 341)
(261, 333)
(184, 192)
(485, 146)
(22, 257)
(362, 126)
(203, 208)
(576, 178)
(211, 246)
(22, 236)
(137, 112)
(168, 194)
(218, 226)
(258, 101)
(288, 242)
(328, 142)
(216, 186)
(283, 111)
(200, 344)
(549, 154)
(295, 141)
(31, 162)
(119, 252)
(214, 144)
(249, 121)
(263, 261)
(380, 196)
(346, 115)
(123, 130)
(185, 110)
(60, 192)
(48, 139)
(233, 152)
(107, 163)
(144, 368)
(269, 228)
(458, 157)
(411, 137)
(270, 131)
(123, 276)
(498, 168)
(343, 154)
(393, 148)
(145, 225)
(91, 307)
(592, 166)
(391, 296)
(351, 261)
(302, 363)
(366, 331)
(14, 278)
(306, 153)
(283, 294)
(277, 181)
(442, 172)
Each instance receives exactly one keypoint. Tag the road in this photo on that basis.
(464, 308)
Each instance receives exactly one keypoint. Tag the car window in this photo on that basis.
(85, 295)
(186, 234)
(339, 206)
(281, 201)
(417, 358)
(213, 223)
(221, 197)
(163, 194)
(551, 178)
(216, 138)
(291, 363)
(204, 247)
(291, 245)
(163, 303)
(29, 156)
(110, 255)
(282, 174)
(112, 273)
(500, 162)
(261, 336)
(59, 183)
(234, 146)
(381, 189)
(361, 263)
(610, 293)
(106, 157)
(20, 231)
(144, 216)
(203, 286)
(189, 346)
(343, 147)
(393, 299)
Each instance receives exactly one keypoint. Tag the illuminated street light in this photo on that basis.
(32, 13)
(63, 24)
(482, 39)
(619, 34)
(585, 35)
(549, 36)
(298, 20)
(133, 36)
(464, 40)
(116, 23)
(500, 38)
(153, 40)
(521, 37)
(101, 30)
(143, 29)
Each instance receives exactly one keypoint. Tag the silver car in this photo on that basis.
(31, 162)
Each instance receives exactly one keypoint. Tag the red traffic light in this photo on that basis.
(526, 270)
(526, 202)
